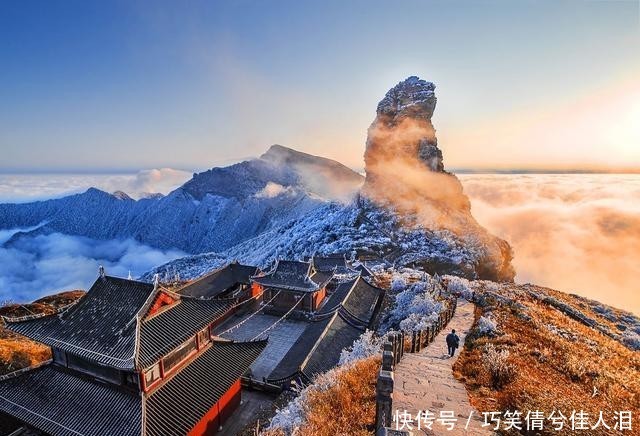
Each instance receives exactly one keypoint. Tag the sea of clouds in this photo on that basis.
(21, 188)
(31, 267)
(578, 233)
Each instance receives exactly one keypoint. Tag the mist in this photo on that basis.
(35, 266)
(577, 233)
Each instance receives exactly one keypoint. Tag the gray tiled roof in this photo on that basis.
(168, 329)
(326, 352)
(293, 275)
(60, 403)
(329, 262)
(298, 352)
(220, 280)
(182, 401)
(100, 327)
(363, 299)
(318, 348)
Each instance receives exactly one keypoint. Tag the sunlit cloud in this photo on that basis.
(575, 233)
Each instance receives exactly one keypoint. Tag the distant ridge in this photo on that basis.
(213, 211)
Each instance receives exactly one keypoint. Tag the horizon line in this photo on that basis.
(455, 170)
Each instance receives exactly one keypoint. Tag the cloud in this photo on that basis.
(34, 266)
(32, 187)
(161, 180)
(577, 233)
(272, 189)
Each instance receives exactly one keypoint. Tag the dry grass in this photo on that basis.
(17, 351)
(347, 408)
(553, 372)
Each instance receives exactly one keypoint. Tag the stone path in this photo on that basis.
(424, 381)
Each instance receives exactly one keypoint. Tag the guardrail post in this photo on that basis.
(387, 356)
(384, 390)
(393, 339)
(400, 341)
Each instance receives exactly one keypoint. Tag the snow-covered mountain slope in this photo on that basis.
(213, 211)
(336, 227)
(409, 212)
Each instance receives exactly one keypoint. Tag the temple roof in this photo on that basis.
(103, 326)
(218, 281)
(100, 327)
(161, 333)
(325, 354)
(61, 403)
(364, 300)
(298, 352)
(329, 262)
(341, 320)
(180, 403)
(293, 275)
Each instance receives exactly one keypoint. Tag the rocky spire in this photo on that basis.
(402, 155)
(403, 127)
(405, 173)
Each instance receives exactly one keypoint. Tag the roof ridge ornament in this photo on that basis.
(101, 271)
(156, 281)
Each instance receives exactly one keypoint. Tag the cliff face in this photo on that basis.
(405, 173)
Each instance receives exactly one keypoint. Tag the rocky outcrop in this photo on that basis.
(403, 127)
(405, 172)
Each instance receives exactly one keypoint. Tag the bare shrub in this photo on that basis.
(577, 369)
(497, 365)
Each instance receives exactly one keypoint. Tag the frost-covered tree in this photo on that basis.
(365, 346)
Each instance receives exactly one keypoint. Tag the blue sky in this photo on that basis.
(127, 85)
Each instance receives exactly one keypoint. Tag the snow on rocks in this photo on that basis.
(486, 326)
(336, 227)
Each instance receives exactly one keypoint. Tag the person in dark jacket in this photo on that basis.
(453, 341)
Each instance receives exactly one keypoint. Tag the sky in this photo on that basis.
(133, 85)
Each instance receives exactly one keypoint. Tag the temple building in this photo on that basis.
(330, 262)
(129, 358)
(231, 281)
(349, 311)
(293, 286)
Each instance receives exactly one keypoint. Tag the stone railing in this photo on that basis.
(393, 350)
(421, 338)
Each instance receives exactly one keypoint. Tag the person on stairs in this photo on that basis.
(453, 341)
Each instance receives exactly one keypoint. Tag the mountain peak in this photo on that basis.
(121, 195)
(413, 96)
(403, 129)
(405, 172)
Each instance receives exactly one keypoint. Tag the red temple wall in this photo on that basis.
(318, 297)
(219, 413)
(256, 289)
